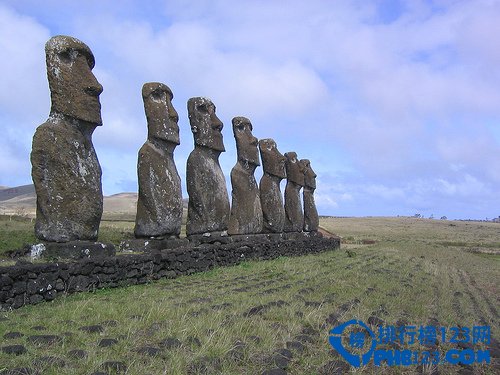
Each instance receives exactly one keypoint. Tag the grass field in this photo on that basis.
(243, 319)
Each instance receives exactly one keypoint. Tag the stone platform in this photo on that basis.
(30, 283)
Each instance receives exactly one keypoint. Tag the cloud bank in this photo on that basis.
(397, 106)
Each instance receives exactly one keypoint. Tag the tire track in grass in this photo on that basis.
(456, 298)
(491, 307)
(479, 313)
(472, 290)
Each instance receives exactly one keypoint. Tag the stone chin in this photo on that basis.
(87, 109)
(215, 143)
(170, 134)
(250, 157)
(170, 138)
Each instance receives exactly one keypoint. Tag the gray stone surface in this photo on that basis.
(73, 249)
(210, 238)
(311, 218)
(273, 163)
(159, 204)
(65, 169)
(208, 207)
(294, 216)
(152, 244)
(251, 238)
(246, 211)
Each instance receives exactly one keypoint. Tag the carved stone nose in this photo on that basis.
(216, 123)
(94, 90)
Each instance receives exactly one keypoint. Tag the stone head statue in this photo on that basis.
(309, 175)
(273, 162)
(205, 125)
(294, 169)
(160, 113)
(246, 143)
(74, 90)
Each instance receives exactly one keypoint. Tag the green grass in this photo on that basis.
(16, 231)
(408, 273)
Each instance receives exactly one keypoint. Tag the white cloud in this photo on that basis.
(470, 186)
(398, 102)
(23, 78)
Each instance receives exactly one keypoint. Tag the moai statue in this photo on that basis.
(294, 216)
(65, 169)
(208, 208)
(311, 218)
(246, 211)
(273, 163)
(159, 207)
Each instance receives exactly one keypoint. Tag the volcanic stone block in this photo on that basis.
(255, 238)
(208, 207)
(159, 205)
(273, 163)
(294, 217)
(311, 218)
(210, 238)
(148, 245)
(65, 169)
(73, 249)
(246, 211)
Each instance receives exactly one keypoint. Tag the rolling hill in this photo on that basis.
(21, 200)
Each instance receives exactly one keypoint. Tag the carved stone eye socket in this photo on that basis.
(65, 56)
(157, 95)
(202, 108)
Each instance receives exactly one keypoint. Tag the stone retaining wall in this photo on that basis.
(29, 283)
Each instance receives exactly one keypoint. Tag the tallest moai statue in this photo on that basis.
(65, 169)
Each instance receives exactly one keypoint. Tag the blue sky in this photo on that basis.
(396, 103)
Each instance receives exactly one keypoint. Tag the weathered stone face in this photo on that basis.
(294, 216)
(208, 207)
(205, 125)
(160, 113)
(246, 143)
(294, 170)
(159, 204)
(74, 90)
(311, 217)
(246, 211)
(65, 169)
(309, 174)
(273, 163)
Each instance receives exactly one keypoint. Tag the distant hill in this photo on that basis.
(121, 203)
(21, 200)
(7, 193)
